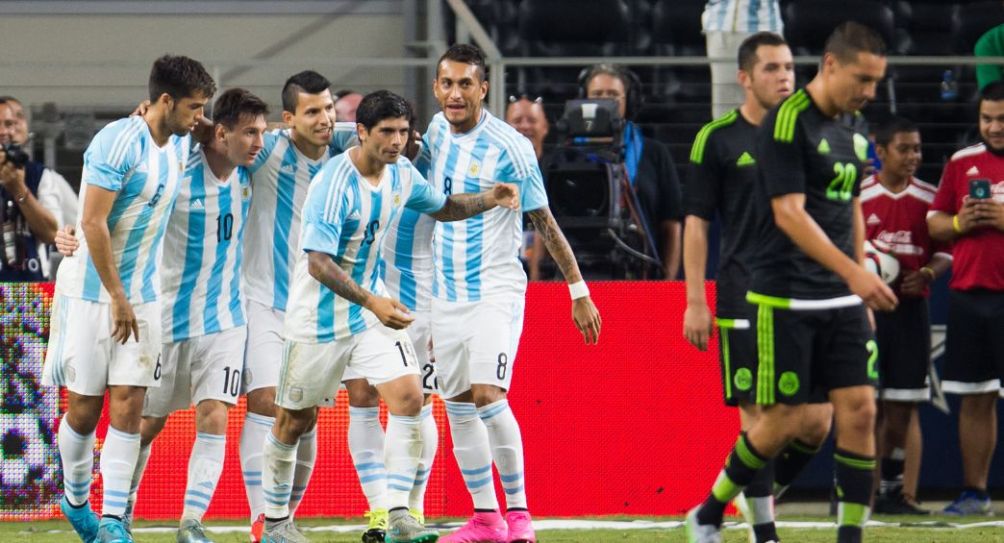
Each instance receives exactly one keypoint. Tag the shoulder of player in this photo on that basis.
(708, 133)
(967, 152)
(511, 144)
(871, 189)
(781, 121)
(924, 186)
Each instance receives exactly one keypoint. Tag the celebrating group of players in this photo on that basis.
(281, 263)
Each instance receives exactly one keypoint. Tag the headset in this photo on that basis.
(634, 99)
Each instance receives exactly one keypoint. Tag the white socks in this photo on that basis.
(507, 450)
(366, 444)
(470, 446)
(137, 473)
(430, 443)
(118, 462)
(77, 454)
(277, 477)
(306, 454)
(204, 468)
(256, 429)
(401, 455)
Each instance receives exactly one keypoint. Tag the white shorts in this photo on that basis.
(200, 368)
(83, 357)
(419, 332)
(263, 355)
(475, 342)
(311, 372)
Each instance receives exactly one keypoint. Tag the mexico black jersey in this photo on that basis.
(803, 151)
(723, 171)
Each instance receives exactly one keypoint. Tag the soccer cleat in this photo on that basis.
(482, 528)
(969, 503)
(127, 517)
(111, 530)
(893, 502)
(83, 520)
(417, 515)
(257, 527)
(376, 531)
(404, 528)
(282, 532)
(701, 533)
(191, 531)
(520, 527)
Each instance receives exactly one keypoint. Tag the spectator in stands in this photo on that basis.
(346, 102)
(28, 206)
(990, 44)
(20, 135)
(649, 165)
(969, 211)
(726, 24)
(528, 118)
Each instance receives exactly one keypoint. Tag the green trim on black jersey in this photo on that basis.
(787, 114)
(772, 301)
(765, 355)
(701, 141)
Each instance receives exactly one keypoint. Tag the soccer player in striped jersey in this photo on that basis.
(479, 290)
(810, 286)
(280, 176)
(110, 290)
(339, 315)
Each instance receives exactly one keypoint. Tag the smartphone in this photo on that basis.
(979, 189)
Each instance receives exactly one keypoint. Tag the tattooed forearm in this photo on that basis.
(462, 206)
(547, 228)
(331, 275)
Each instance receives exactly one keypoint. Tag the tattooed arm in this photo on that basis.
(391, 313)
(584, 313)
(463, 206)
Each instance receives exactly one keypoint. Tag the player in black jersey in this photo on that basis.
(808, 283)
(723, 170)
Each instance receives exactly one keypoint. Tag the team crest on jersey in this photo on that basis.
(397, 199)
(861, 147)
(245, 193)
(474, 170)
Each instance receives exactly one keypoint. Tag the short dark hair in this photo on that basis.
(992, 92)
(179, 77)
(747, 49)
(307, 81)
(342, 93)
(382, 104)
(236, 103)
(8, 98)
(613, 70)
(467, 54)
(851, 38)
(887, 130)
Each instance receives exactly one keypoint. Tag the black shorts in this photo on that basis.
(974, 344)
(737, 354)
(904, 346)
(802, 355)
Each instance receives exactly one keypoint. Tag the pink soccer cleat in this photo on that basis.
(482, 528)
(520, 527)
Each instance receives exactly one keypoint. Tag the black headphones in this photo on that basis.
(634, 99)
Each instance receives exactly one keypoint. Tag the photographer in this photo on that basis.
(649, 165)
(24, 221)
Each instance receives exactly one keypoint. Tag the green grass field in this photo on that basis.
(59, 532)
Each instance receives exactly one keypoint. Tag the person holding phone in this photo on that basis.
(968, 210)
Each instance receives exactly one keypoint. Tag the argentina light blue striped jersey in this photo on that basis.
(124, 158)
(280, 176)
(742, 16)
(201, 276)
(346, 217)
(479, 256)
(407, 256)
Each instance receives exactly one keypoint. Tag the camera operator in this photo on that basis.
(24, 221)
(649, 166)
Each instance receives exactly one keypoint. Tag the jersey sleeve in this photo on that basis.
(703, 191)
(271, 138)
(343, 136)
(781, 158)
(110, 157)
(324, 212)
(525, 173)
(423, 198)
(423, 161)
(945, 200)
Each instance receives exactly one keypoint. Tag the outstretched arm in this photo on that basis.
(584, 313)
(464, 206)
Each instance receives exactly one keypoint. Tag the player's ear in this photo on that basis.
(221, 131)
(165, 99)
(742, 78)
(287, 118)
(484, 90)
(361, 131)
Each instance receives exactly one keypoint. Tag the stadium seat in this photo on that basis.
(807, 23)
(975, 19)
(676, 31)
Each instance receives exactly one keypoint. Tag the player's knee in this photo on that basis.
(262, 401)
(410, 403)
(859, 415)
(361, 394)
(814, 430)
(83, 419)
(149, 428)
(294, 423)
(211, 416)
(978, 404)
